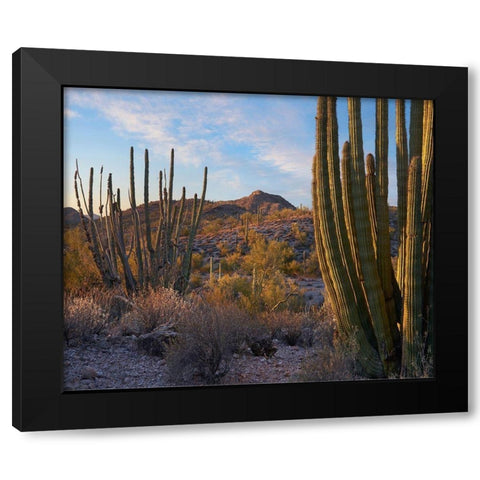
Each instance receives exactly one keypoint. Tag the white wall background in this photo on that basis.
(435, 446)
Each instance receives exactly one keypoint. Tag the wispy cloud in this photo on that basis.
(204, 127)
(69, 113)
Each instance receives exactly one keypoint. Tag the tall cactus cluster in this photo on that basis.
(389, 314)
(156, 255)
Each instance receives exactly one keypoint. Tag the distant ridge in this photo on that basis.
(71, 217)
(256, 202)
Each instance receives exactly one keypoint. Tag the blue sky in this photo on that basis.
(248, 141)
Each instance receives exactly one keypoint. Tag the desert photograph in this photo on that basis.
(227, 238)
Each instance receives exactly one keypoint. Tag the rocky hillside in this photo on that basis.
(256, 202)
(71, 217)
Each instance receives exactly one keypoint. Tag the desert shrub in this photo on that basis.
(311, 264)
(299, 235)
(333, 358)
(228, 289)
(83, 317)
(203, 349)
(268, 256)
(292, 328)
(195, 280)
(283, 214)
(79, 269)
(212, 226)
(277, 293)
(150, 310)
(326, 364)
(232, 262)
(271, 293)
(293, 268)
(197, 261)
(223, 248)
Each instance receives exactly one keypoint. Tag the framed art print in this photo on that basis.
(212, 239)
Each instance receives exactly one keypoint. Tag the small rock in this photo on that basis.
(88, 373)
(155, 343)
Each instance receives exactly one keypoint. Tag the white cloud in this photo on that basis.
(69, 113)
(241, 142)
(229, 181)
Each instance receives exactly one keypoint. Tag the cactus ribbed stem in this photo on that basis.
(347, 313)
(381, 197)
(384, 259)
(346, 167)
(136, 222)
(402, 174)
(370, 181)
(146, 204)
(416, 128)
(168, 261)
(110, 236)
(360, 285)
(333, 166)
(372, 284)
(402, 163)
(319, 248)
(412, 347)
(426, 212)
(427, 180)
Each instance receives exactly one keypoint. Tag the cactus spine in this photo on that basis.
(165, 262)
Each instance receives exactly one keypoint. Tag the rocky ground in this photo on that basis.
(281, 230)
(117, 363)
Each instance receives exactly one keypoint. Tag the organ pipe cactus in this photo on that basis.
(371, 184)
(165, 261)
(351, 226)
(412, 320)
(402, 169)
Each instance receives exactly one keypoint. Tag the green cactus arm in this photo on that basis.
(108, 226)
(347, 312)
(346, 169)
(135, 221)
(427, 221)
(370, 181)
(116, 226)
(427, 181)
(146, 204)
(381, 197)
(412, 320)
(333, 167)
(384, 259)
(416, 128)
(158, 237)
(179, 220)
(372, 284)
(402, 163)
(402, 174)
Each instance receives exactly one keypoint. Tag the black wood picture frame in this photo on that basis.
(39, 403)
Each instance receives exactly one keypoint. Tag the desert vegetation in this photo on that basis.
(193, 292)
